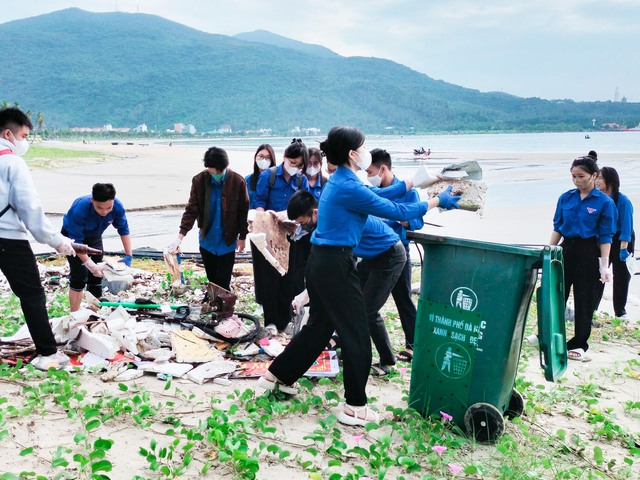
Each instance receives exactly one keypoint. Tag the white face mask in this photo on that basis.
(263, 163)
(21, 145)
(375, 180)
(313, 171)
(291, 170)
(365, 160)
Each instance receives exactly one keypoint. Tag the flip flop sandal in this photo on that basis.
(356, 419)
(378, 370)
(405, 355)
(579, 355)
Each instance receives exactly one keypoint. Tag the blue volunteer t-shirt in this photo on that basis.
(213, 240)
(277, 197)
(346, 203)
(82, 221)
(593, 216)
(377, 238)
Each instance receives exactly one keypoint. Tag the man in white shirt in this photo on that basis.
(22, 212)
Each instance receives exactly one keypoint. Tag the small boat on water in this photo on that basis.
(587, 137)
(633, 129)
(421, 151)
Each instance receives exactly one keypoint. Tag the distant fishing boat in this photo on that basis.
(587, 137)
(421, 151)
(634, 129)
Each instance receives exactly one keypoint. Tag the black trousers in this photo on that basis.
(273, 291)
(336, 303)
(19, 266)
(218, 267)
(621, 276)
(80, 276)
(582, 272)
(378, 276)
(404, 303)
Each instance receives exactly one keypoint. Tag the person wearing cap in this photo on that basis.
(85, 222)
(20, 213)
(219, 203)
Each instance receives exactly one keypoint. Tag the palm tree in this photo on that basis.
(39, 122)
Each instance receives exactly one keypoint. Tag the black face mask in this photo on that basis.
(308, 227)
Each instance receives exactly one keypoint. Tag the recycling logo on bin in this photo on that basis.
(464, 298)
(453, 360)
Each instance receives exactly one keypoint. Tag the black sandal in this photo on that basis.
(405, 355)
(378, 370)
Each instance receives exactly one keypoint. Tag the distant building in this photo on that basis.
(189, 129)
(224, 129)
(142, 128)
(178, 127)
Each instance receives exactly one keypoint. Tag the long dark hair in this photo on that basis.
(256, 170)
(612, 179)
(340, 141)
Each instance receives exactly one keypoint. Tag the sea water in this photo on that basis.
(158, 227)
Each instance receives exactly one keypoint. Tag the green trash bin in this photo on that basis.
(472, 310)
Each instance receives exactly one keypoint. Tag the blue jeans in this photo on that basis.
(378, 276)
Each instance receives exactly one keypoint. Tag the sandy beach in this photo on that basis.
(149, 176)
(153, 176)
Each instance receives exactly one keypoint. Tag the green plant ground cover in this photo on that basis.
(72, 425)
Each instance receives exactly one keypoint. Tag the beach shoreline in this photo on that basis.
(144, 177)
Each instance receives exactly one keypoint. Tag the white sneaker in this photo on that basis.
(57, 361)
(272, 329)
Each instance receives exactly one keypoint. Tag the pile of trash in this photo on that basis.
(126, 334)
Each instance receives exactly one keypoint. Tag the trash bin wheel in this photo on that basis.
(484, 422)
(516, 405)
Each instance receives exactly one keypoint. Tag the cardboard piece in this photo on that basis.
(189, 348)
(269, 232)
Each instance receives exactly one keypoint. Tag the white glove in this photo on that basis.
(95, 270)
(65, 248)
(174, 246)
(300, 301)
(606, 275)
(251, 215)
(422, 178)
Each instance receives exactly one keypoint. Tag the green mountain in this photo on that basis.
(90, 69)
(263, 36)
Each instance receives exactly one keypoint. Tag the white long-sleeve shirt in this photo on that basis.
(17, 189)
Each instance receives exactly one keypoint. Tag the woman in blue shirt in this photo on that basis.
(585, 221)
(314, 174)
(275, 186)
(264, 158)
(622, 245)
(335, 294)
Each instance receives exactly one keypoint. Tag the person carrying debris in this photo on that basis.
(85, 222)
(335, 292)
(275, 186)
(380, 174)
(220, 203)
(22, 212)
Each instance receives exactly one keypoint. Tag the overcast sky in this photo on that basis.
(552, 49)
